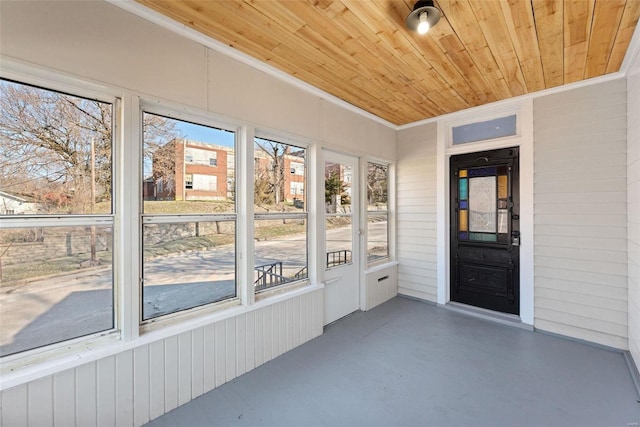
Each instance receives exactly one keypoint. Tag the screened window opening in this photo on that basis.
(280, 214)
(55, 159)
(377, 211)
(189, 220)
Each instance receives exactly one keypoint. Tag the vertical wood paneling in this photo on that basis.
(41, 402)
(171, 373)
(296, 321)
(197, 362)
(221, 353)
(143, 364)
(231, 351)
(14, 406)
(136, 386)
(106, 377)
(250, 342)
(580, 216)
(633, 210)
(259, 336)
(416, 207)
(64, 402)
(209, 357)
(241, 345)
(86, 395)
(184, 367)
(280, 328)
(267, 313)
(124, 389)
(156, 379)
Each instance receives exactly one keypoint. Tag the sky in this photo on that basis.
(205, 134)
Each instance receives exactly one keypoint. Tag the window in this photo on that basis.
(56, 159)
(213, 162)
(188, 158)
(297, 168)
(205, 182)
(482, 131)
(280, 215)
(377, 211)
(296, 189)
(188, 237)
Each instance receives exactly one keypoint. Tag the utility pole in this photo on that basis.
(94, 260)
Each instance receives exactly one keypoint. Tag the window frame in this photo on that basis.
(54, 82)
(386, 212)
(304, 215)
(201, 119)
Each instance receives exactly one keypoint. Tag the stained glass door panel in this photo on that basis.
(485, 229)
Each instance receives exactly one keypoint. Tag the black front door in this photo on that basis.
(485, 232)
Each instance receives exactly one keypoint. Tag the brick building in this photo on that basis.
(192, 170)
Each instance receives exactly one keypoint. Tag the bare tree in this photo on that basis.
(45, 147)
(276, 153)
(56, 149)
(160, 136)
(377, 182)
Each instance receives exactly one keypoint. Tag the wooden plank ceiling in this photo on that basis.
(361, 52)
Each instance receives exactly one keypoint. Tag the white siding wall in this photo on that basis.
(580, 213)
(135, 386)
(633, 211)
(416, 207)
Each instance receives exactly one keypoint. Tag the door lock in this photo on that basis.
(515, 238)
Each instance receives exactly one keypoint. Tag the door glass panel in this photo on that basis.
(503, 225)
(463, 220)
(482, 204)
(502, 187)
(339, 241)
(463, 189)
(338, 214)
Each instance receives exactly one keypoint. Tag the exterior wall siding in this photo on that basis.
(580, 213)
(137, 385)
(416, 210)
(633, 211)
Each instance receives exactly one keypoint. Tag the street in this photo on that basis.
(65, 306)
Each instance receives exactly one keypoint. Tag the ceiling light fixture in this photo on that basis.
(424, 16)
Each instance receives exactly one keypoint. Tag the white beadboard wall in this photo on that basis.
(133, 387)
(416, 208)
(580, 213)
(633, 210)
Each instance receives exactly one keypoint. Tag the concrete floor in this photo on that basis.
(414, 364)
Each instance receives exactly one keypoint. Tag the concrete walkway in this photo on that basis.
(408, 363)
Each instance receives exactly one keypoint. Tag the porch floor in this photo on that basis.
(410, 363)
